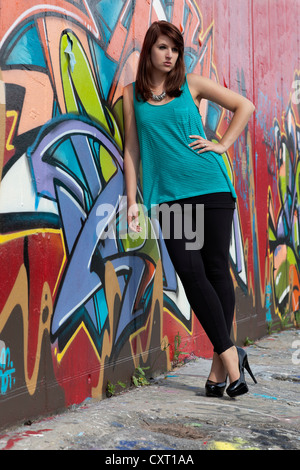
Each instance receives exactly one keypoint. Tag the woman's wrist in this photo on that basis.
(224, 146)
(130, 202)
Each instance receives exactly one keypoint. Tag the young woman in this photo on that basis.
(163, 127)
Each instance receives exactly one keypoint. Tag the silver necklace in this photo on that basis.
(158, 97)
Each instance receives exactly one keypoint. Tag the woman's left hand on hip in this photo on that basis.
(206, 145)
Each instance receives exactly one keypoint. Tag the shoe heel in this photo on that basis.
(247, 367)
(215, 389)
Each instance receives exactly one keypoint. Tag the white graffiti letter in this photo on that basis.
(296, 354)
(296, 93)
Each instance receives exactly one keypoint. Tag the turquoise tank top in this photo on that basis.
(171, 169)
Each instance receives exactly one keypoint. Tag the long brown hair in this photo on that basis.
(175, 77)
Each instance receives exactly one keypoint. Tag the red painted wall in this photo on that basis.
(75, 312)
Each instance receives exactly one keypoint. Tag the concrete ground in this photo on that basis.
(173, 413)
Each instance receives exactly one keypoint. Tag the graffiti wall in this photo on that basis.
(81, 305)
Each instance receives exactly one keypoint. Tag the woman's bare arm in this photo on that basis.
(241, 107)
(131, 156)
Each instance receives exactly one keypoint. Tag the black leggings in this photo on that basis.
(205, 272)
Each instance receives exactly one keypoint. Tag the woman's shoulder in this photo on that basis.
(194, 80)
(201, 87)
(128, 91)
(129, 88)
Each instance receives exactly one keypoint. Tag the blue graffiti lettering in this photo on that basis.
(6, 371)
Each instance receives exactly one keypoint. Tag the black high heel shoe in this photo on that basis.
(239, 387)
(214, 389)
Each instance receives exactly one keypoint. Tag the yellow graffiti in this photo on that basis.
(157, 299)
(176, 319)
(60, 356)
(222, 445)
(80, 89)
(108, 166)
(114, 301)
(14, 115)
(25, 233)
(236, 444)
(19, 296)
(113, 296)
(2, 122)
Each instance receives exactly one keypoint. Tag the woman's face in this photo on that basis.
(164, 54)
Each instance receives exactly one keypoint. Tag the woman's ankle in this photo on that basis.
(231, 363)
(217, 373)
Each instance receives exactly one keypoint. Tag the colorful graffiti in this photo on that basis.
(284, 235)
(80, 305)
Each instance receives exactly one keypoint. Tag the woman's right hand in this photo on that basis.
(133, 217)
